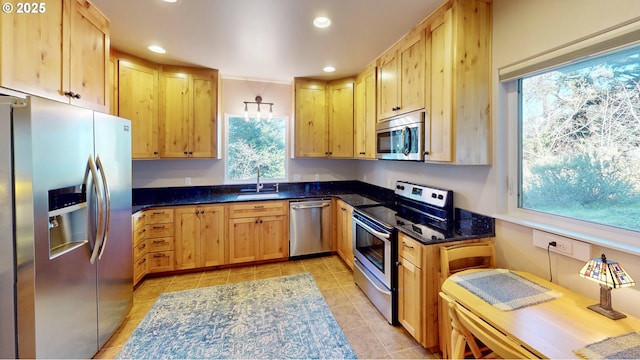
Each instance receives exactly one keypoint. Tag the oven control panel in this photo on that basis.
(430, 195)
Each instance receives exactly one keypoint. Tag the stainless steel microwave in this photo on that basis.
(401, 138)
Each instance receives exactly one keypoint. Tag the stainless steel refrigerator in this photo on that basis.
(65, 227)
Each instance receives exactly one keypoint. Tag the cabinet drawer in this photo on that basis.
(410, 250)
(160, 244)
(139, 235)
(138, 220)
(161, 261)
(139, 250)
(159, 216)
(261, 208)
(140, 269)
(159, 230)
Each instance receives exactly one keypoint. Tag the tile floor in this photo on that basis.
(368, 332)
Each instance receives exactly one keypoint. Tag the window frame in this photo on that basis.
(509, 109)
(225, 152)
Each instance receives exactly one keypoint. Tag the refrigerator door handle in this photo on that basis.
(91, 167)
(107, 201)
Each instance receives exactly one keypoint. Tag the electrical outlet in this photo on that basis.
(564, 245)
(187, 181)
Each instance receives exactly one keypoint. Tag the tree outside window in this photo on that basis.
(580, 140)
(252, 143)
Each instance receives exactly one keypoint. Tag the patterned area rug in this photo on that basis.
(277, 318)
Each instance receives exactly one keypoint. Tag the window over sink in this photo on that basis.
(251, 143)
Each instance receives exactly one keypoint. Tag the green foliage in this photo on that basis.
(578, 181)
(256, 143)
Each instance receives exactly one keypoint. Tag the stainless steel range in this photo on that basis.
(424, 212)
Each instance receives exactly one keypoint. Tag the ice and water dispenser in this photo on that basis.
(67, 219)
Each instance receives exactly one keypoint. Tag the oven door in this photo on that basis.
(372, 248)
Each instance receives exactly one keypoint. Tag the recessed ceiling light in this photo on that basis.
(321, 22)
(329, 69)
(170, 1)
(157, 49)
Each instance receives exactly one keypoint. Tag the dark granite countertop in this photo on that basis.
(467, 225)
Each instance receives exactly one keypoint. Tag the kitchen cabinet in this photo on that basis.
(418, 289)
(341, 119)
(311, 118)
(60, 53)
(139, 241)
(323, 118)
(364, 113)
(137, 100)
(401, 76)
(410, 286)
(160, 239)
(344, 232)
(457, 130)
(258, 231)
(199, 236)
(188, 112)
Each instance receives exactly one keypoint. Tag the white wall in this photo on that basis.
(166, 173)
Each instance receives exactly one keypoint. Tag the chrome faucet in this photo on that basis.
(258, 184)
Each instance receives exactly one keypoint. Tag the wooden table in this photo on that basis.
(552, 329)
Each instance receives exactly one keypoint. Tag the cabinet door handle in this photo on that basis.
(407, 245)
(258, 207)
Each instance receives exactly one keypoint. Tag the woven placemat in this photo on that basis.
(504, 289)
(625, 346)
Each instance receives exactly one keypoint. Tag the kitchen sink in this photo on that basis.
(257, 196)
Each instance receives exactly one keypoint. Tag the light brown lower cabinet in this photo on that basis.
(258, 231)
(344, 232)
(199, 236)
(410, 287)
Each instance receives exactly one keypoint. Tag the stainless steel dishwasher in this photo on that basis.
(309, 227)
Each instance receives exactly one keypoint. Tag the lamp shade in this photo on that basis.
(606, 272)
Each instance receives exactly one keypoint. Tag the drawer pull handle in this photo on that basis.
(258, 207)
(143, 245)
(158, 213)
(407, 245)
(142, 261)
(158, 241)
(158, 227)
(159, 255)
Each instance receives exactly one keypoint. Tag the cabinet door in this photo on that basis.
(412, 73)
(32, 58)
(174, 115)
(311, 120)
(365, 116)
(211, 236)
(388, 69)
(409, 298)
(341, 120)
(439, 133)
(274, 239)
(344, 232)
(202, 132)
(138, 101)
(187, 238)
(243, 240)
(88, 71)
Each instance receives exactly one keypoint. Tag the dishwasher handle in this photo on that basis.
(315, 206)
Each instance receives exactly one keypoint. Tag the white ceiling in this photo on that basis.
(265, 40)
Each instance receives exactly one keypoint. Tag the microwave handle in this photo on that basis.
(406, 143)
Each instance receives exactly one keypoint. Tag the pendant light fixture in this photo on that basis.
(259, 102)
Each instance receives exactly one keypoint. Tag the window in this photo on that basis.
(252, 143)
(579, 140)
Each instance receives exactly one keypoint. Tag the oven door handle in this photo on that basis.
(371, 230)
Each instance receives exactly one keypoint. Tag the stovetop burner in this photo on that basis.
(424, 212)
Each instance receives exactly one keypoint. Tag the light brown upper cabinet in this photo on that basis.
(188, 112)
(401, 76)
(458, 126)
(323, 118)
(137, 100)
(60, 53)
(364, 113)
